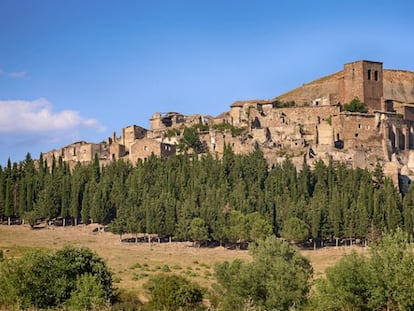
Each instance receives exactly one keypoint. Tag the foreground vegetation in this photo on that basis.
(277, 277)
(71, 277)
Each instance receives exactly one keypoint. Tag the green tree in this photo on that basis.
(41, 279)
(391, 268)
(238, 230)
(278, 278)
(190, 139)
(259, 228)
(31, 217)
(295, 230)
(198, 230)
(381, 281)
(88, 294)
(356, 105)
(119, 226)
(173, 292)
(345, 286)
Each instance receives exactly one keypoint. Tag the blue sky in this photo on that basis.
(80, 69)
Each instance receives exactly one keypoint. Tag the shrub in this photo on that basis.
(278, 278)
(173, 292)
(356, 106)
(41, 279)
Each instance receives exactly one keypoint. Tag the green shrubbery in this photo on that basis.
(282, 104)
(71, 277)
(173, 292)
(278, 278)
(226, 127)
(381, 281)
(356, 106)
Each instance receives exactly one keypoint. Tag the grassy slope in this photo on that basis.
(133, 263)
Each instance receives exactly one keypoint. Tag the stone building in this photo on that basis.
(143, 148)
(364, 80)
(81, 151)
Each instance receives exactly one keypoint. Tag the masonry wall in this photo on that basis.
(131, 133)
(325, 134)
(237, 115)
(362, 79)
(116, 151)
(357, 131)
(308, 115)
(143, 148)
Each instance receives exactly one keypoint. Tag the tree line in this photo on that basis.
(235, 199)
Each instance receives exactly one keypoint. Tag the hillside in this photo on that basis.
(314, 89)
(398, 85)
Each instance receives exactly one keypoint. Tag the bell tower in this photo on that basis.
(363, 79)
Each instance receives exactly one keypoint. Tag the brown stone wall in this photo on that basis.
(87, 152)
(325, 134)
(216, 140)
(399, 134)
(155, 121)
(143, 148)
(407, 112)
(131, 133)
(167, 150)
(363, 79)
(357, 130)
(308, 115)
(236, 115)
(116, 151)
(78, 152)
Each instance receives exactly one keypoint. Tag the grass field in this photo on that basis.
(132, 263)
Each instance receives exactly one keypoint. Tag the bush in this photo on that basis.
(173, 292)
(278, 278)
(89, 294)
(226, 127)
(282, 104)
(381, 281)
(356, 106)
(41, 279)
(295, 229)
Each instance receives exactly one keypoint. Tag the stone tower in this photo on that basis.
(362, 79)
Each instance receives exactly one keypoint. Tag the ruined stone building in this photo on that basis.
(306, 124)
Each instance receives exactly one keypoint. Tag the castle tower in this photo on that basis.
(362, 79)
(155, 121)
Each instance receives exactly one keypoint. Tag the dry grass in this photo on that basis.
(133, 263)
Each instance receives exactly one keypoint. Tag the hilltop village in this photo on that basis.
(306, 124)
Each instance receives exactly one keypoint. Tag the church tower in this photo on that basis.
(363, 79)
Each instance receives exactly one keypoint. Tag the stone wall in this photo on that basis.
(131, 133)
(357, 130)
(143, 148)
(325, 134)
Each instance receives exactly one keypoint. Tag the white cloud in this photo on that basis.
(37, 116)
(17, 74)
